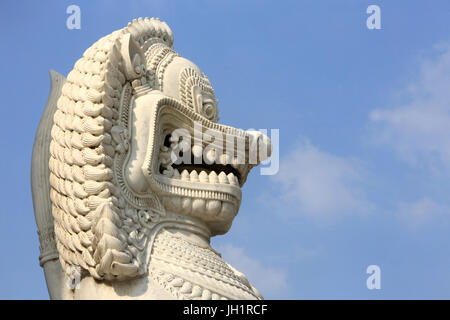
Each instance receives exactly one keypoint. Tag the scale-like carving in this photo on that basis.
(127, 202)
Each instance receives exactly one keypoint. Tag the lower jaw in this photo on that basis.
(216, 205)
(206, 210)
(208, 226)
(203, 190)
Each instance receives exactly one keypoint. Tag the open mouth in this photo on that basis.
(196, 167)
(182, 159)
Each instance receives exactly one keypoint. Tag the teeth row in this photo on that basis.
(167, 155)
(185, 192)
(193, 176)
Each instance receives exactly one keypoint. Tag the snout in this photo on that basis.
(260, 144)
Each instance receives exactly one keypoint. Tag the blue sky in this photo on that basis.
(364, 120)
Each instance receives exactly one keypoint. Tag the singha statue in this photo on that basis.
(132, 175)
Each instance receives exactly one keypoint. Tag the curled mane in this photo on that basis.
(90, 222)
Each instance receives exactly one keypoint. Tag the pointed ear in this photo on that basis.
(133, 57)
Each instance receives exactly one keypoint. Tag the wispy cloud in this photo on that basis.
(422, 212)
(271, 283)
(419, 129)
(321, 184)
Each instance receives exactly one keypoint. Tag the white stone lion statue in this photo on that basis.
(132, 175)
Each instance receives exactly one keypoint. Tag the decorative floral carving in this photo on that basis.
(122, 137)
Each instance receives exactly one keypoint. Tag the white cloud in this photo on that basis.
(422, 212)
(321, 184)
(419, 129)
(269, 282)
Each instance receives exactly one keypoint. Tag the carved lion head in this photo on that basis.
(136, 146)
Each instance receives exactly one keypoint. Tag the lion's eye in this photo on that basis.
(209, 110)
